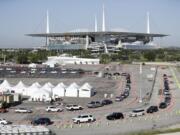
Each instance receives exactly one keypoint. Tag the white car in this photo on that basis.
(23, 110)
(54, 72)
(4, 121)
(83, 118)
(137, 112)
(23, 72)
(8, 68)
(53, 109)
(72, 107)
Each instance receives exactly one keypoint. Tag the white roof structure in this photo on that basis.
(72, 90)
(20, 88)
(86, 90)
(5, 86)
(62, 85)
(59, 90)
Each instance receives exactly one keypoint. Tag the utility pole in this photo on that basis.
(140, 89)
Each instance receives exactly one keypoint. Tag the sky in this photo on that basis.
(20, 17)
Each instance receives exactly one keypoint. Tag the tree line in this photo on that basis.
(26, 56)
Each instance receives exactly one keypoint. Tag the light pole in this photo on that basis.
(140, 90)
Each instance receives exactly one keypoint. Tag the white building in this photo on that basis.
(62, 60)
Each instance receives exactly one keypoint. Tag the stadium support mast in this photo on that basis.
(47, 23)
(95, 24)
(148, 24)
(103, 20)
(47, 29)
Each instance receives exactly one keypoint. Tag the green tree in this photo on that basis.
(150, 55)
(104, 59)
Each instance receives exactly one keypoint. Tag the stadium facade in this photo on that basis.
(99, 41)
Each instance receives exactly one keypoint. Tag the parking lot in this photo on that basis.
(19, 71)
(141, 88)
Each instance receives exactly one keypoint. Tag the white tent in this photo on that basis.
(48, 87)
(37, 84)
(20, 88)
(5, 86)
(59, 90)
(72, 90)
(86, 90)
(40, 95)
(34, 87)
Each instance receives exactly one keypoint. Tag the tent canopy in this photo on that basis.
(59, 90)
(5, 85)
(20, 88)
(72, 90)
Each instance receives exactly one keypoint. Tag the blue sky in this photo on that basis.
(20, 17)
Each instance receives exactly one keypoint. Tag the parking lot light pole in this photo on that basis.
(140, 90)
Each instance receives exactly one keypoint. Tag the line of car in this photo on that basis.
(127, 89)
(166, 93)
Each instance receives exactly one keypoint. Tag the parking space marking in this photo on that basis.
(175, 77)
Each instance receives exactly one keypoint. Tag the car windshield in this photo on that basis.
(92, 102)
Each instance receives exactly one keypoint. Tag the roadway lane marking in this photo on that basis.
(175, 78)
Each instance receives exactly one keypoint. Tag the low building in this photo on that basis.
(10, 98)
(63, 60)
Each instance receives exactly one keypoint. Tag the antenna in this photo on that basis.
(103, 20)
(95, 24)
(148, 24)
(47, 23)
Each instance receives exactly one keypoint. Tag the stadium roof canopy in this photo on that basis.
(82, 34)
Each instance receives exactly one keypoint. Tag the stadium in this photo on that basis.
(103, 41)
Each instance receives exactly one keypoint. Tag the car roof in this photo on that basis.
(139, 109)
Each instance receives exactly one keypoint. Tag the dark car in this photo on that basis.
(166, 87)
(125, 94)
(167, 100)
(94, 104)
(118, 99)
(124, 74)
(128, 81)
(115, 116)
(162, 105)
(106, 102)
(152, 109)
(41, 121)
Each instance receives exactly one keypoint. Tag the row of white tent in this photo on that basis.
(48, 90)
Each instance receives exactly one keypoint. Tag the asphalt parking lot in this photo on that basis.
(63, 120)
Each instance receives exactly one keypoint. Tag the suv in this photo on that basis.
(162, 105)
(41, 121)
(53, 109)
(23, 110)
(137, 112)
(4, 122)
(115, 115)
(94, 104)
(72, 107)
(83, 118)
(106, 102)
(152, 109)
